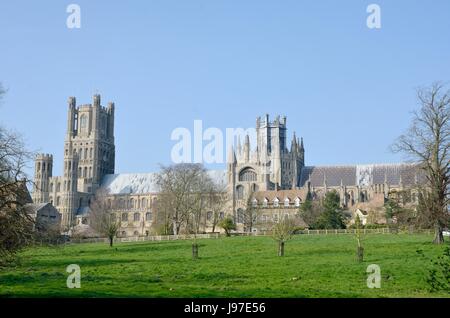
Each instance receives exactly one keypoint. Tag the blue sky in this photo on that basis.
(346, 89)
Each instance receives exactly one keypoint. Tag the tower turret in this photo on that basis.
(294, 146)
(70, 189)
(247, 149)
(302, 153)
(91, 136)
(42, 174)
(71, 117)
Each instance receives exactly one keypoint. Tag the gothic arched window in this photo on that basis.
(240, 192)
(240, 216)
(136, 217)
(247, 174)
(148, 216)
(83, 122)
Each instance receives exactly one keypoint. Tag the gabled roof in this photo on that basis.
(35, 207)
(271, 195)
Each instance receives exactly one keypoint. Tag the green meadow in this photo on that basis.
(314, 266)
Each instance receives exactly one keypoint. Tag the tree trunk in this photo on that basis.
(175, 228)
(360, 254)
(111, 239)
(194, 250)
(438, 236)
(280, 248)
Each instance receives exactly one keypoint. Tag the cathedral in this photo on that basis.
(270, 174)
(88, 157)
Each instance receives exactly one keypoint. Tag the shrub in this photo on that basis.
(228, 225)
(439, 274)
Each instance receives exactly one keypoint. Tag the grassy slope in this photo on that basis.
(314, 266)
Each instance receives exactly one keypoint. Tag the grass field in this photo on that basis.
(314, 266)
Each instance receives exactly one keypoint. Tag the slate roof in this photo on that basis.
(363, 175)
(142, 183)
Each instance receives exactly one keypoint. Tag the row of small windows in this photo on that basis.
(66, 187)
(136, 217)
(135, 233)
(132, 203)
(85, 173)
(86, 151)
(210, 214)
(44, 166)
(149, 216)
(262, 218)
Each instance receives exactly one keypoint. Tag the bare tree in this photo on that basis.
(101, 216)
(251, 213)
(217, 200)
(16, 225)
(310, 211)
(198, 204)
(184, 198)
(2, 91)
(177, 185)
(282, 231)
(427, 142)
(162, 220)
